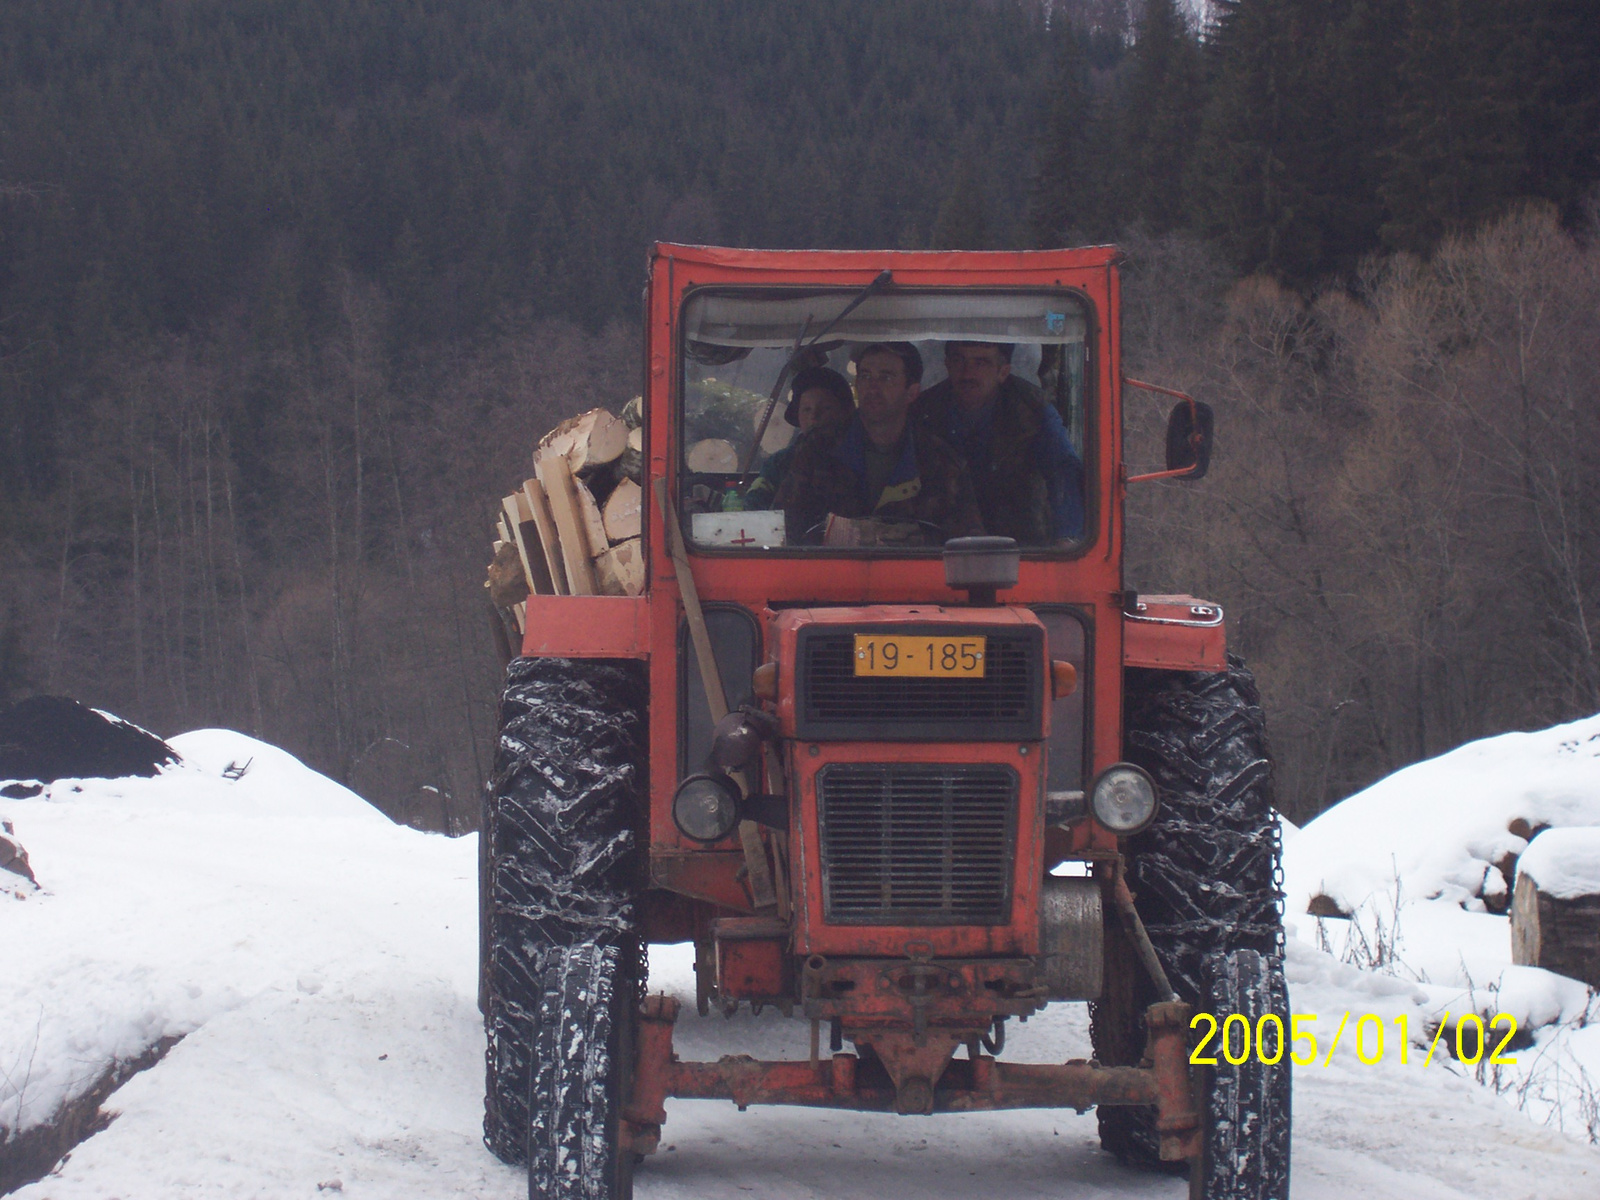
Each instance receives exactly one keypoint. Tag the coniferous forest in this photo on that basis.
(288, 288)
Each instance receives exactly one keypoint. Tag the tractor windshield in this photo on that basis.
(919, 416)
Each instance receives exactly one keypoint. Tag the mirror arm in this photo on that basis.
(1178, 474)
(1194, 416)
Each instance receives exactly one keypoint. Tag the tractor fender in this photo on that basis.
(1174, 633)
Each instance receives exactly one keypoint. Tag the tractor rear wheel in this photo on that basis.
(561, 856)
(1204, 875)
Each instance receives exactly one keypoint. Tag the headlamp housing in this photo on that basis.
(1124, 799)
(705, 808)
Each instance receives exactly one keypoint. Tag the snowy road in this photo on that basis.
(322, 964)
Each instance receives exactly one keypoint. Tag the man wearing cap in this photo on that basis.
(1028, 478)
(880, 465)
(818, 396)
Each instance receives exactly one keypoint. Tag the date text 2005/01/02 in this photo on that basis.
(1236, 1039)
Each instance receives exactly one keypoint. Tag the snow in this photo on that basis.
(319, 964)
(1417, 860)
(169, 902)
(1564, 862)
(1440, 826)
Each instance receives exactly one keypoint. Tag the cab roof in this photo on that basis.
(855, 261)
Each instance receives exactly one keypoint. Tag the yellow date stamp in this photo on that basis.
(1237, 1040)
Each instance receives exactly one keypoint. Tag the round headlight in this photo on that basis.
(1124, 799)
(706, 807)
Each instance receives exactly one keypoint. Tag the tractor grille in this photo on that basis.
(917, 843)
(834, 702)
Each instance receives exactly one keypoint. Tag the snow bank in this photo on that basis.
(1439, 829)
(236, 875)
(1564, 862)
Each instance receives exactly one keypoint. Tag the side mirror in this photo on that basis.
(1189, 439)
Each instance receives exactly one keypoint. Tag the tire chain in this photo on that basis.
(574, 1090)
(1247, 1124)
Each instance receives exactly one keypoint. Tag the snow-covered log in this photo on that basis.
(1555, 913)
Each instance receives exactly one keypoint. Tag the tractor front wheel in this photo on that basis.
(1204, 879)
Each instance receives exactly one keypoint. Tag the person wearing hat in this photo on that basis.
(818, 396)
(879, 465)
(1028, 478)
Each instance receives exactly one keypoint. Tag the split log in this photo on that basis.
(620, 570)
(507, 583)
(712, 456)
(525, 533)
(549, 541)
(588, 441)
(505, 541)
(594, 525)
(561, 490)
(631, 464)
(633, 412)
(623, 510)
(1555, 909)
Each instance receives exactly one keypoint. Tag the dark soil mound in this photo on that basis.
(51, 737)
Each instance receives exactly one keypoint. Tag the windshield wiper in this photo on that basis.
(883, 280)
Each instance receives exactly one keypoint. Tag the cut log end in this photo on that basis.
(588, 441)
(623, 511)
(1560, 935)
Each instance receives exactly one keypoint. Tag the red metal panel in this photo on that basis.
(753, 961)
(587, 627)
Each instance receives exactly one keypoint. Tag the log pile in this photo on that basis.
(573, 529)
(1555, 907)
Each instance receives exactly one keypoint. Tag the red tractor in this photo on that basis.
(900, 786)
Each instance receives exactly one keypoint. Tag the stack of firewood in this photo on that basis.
(573, 529)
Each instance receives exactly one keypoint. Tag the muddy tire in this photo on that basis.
(1204, 875)
(583, 1057)
(562, 829)
(1245, 1107)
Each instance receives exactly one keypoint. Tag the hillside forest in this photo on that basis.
(288, 289)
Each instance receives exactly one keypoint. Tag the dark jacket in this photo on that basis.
(1028, 478)
(766, 486)
(828, 474)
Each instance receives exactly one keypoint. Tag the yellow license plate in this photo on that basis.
(906, 655)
